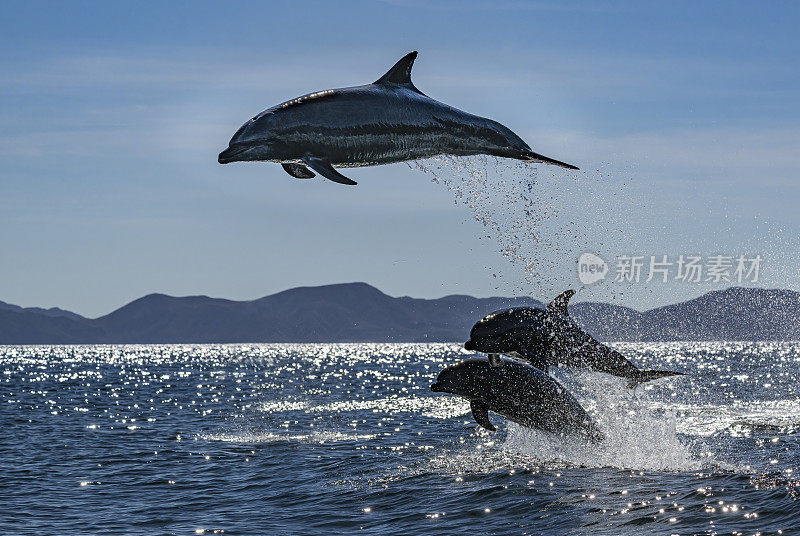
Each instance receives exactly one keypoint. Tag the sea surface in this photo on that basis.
(345, 438)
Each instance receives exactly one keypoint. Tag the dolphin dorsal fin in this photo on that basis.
(559, 304)
(400, 73)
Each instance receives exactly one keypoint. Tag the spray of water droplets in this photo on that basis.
(537, 229)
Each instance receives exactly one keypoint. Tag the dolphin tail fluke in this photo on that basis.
(530, 156)
(643, 376)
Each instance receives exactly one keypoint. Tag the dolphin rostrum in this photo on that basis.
(520, 393)
(551, 338)
(384, 122)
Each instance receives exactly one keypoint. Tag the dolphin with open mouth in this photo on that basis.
(384, 122)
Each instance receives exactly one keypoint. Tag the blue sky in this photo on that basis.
(684, 118)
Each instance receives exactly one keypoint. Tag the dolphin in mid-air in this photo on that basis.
(551, 338)
(520, 393)
(384, 122)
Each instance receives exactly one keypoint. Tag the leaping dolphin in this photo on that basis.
(520, 393)
(384, 122)
(551, 338)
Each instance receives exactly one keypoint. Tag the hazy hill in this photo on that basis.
(346, 312)
(360, 312)
(26, 326)
(53, 311)
(732, 314)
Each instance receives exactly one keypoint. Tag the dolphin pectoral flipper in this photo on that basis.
(324, 168)
(480, 410)
(560, 302)
(298, 171)
(494, 359)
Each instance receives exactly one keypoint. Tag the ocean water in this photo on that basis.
(342, 438)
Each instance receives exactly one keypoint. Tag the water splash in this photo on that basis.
(540, 229)
(638, 435)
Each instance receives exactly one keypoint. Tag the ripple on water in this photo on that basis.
(265, 438)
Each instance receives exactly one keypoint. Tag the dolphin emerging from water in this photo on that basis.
(551, 338)
(384, 122)
(520, 393)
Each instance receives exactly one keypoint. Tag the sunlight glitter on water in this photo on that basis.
(336, 429)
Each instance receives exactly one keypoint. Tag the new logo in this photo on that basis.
(591, 268)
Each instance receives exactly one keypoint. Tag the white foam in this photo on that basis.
(739, 418)
(434, 407)
(318, 437)
(638, 436)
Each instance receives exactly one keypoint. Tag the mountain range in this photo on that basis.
(358, 312)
